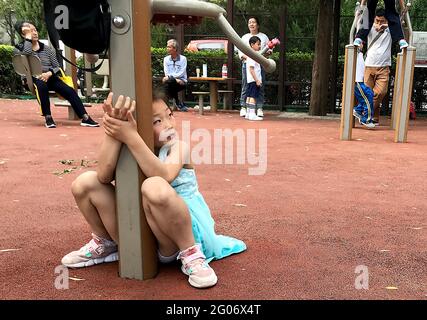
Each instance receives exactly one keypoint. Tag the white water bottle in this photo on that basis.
(224, 71)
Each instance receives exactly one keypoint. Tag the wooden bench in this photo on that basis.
(200, 105)
(29, 66)
(59, 102)
(227, 101)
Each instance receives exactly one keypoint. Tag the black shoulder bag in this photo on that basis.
(89, 26)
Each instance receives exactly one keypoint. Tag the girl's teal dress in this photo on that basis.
(214, 246)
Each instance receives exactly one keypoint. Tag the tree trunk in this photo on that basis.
(322, 56)
(334, 60)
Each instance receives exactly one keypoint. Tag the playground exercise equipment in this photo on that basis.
(402, 84)
(194, 8)
(29, 66)
(130, 70)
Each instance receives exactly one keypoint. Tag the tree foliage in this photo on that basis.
(7, 14)
(31, 10)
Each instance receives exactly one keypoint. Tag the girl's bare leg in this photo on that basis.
(97, 203)
(168, 216)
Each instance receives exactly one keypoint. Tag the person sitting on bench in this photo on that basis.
(48, 80)
(175, 68)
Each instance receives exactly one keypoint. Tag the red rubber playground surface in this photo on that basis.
(323, 208)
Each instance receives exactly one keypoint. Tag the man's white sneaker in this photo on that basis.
(243, 112)
(260, 113)
(254, 117)
(206, 108)
(368, 125)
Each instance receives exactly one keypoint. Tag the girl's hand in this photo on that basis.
(121, 108)
(258, 83)
(121, 130)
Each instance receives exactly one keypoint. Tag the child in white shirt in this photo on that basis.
(254, 79)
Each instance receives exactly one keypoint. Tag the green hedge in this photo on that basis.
(10, 81)
(299, 68)
(216, 58)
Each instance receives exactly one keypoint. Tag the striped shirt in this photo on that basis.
(46, 55)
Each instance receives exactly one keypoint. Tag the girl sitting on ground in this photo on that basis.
(175, 210)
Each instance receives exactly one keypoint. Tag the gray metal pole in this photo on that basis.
(396, 90)
(130, 66)
(405, 84)
(230, 52)
(348, 92)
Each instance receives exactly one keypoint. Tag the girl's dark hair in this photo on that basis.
(253, 40)
(159, 94)
(256, 19)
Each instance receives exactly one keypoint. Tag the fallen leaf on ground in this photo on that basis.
(65, 171)
(67, 162)
(240, 205)
(75, 279)
(391, 288)
(248, 186)
(416, 228)
(227, 180)
(385, 250)
(8, 250)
